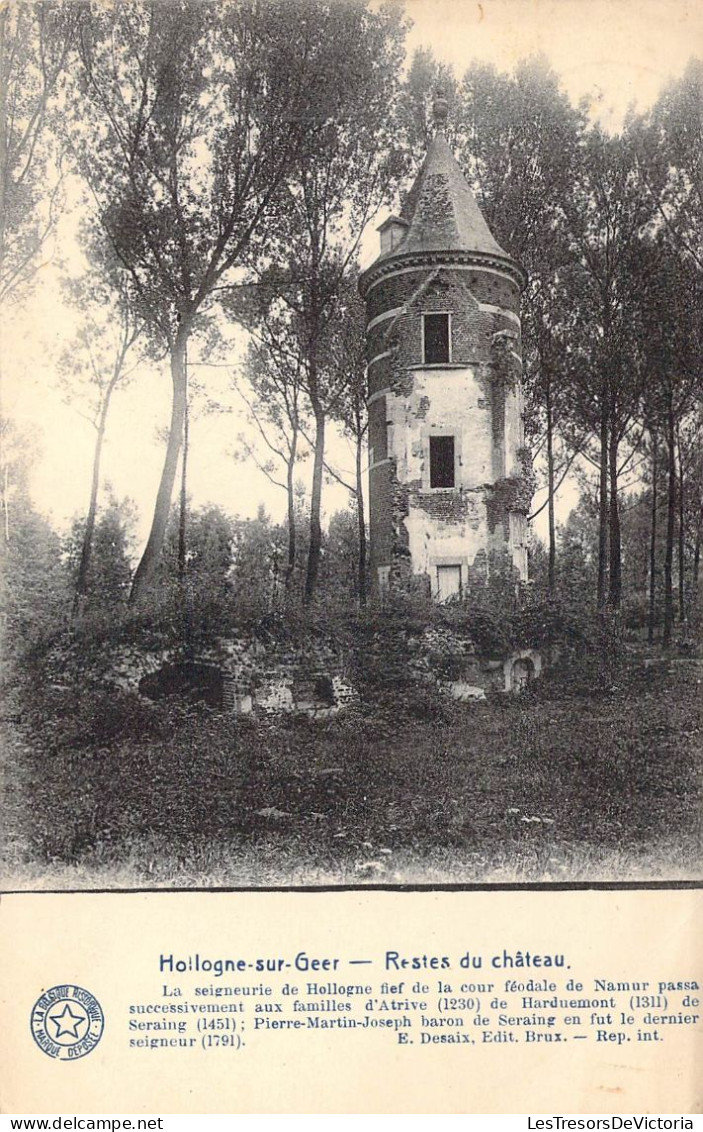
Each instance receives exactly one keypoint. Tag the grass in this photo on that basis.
(558, 785)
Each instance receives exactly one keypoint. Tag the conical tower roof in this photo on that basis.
(441, 211)
(440, 218)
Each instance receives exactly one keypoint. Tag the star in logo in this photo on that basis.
(67, 1022)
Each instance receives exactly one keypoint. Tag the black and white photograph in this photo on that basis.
(351, 426)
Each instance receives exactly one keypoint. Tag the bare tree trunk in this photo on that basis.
(696, 558)
(551, 569)
(4, 463)
(184, 594)
(316, 506)
(150, 558)
(653, 543)
(183, 508)
(290, 488)
(361, 522)
(6, 503)
(693, 596)
(4, 91)
(670, 525)
(87, 545)
(682, 538)
(615, 579)
(603, 508)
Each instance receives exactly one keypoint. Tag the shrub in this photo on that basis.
(73, 718)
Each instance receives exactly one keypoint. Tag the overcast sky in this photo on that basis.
(614, 53)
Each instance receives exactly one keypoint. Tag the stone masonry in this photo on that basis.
(449, 476)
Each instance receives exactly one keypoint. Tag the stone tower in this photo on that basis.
(449, 478)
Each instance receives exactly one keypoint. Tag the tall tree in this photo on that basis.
(607, 215)
(185, 121)
(348, 360)
(694, 510)
(670, 151)
(108, 573)
(258, 549)
(672, 317)
(339, 178)
(33, 591)
(209, 552)
(518, 144)
(554, 364)
(92, 367)
(278, 410)
(653, 532)
(35, 41)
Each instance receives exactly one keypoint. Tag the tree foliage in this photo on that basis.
(35, 40)
(338, 179)
(186, 121)
(233, 158)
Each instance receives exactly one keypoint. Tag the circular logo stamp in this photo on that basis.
(67, 1022)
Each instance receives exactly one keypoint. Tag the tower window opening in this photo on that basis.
(442, 461)
(435, 338)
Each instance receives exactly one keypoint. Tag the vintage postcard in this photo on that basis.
(351, 525)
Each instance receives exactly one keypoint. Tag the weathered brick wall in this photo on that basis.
(487, 287)
(381, 514)
(476, 397)
(264, 678)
